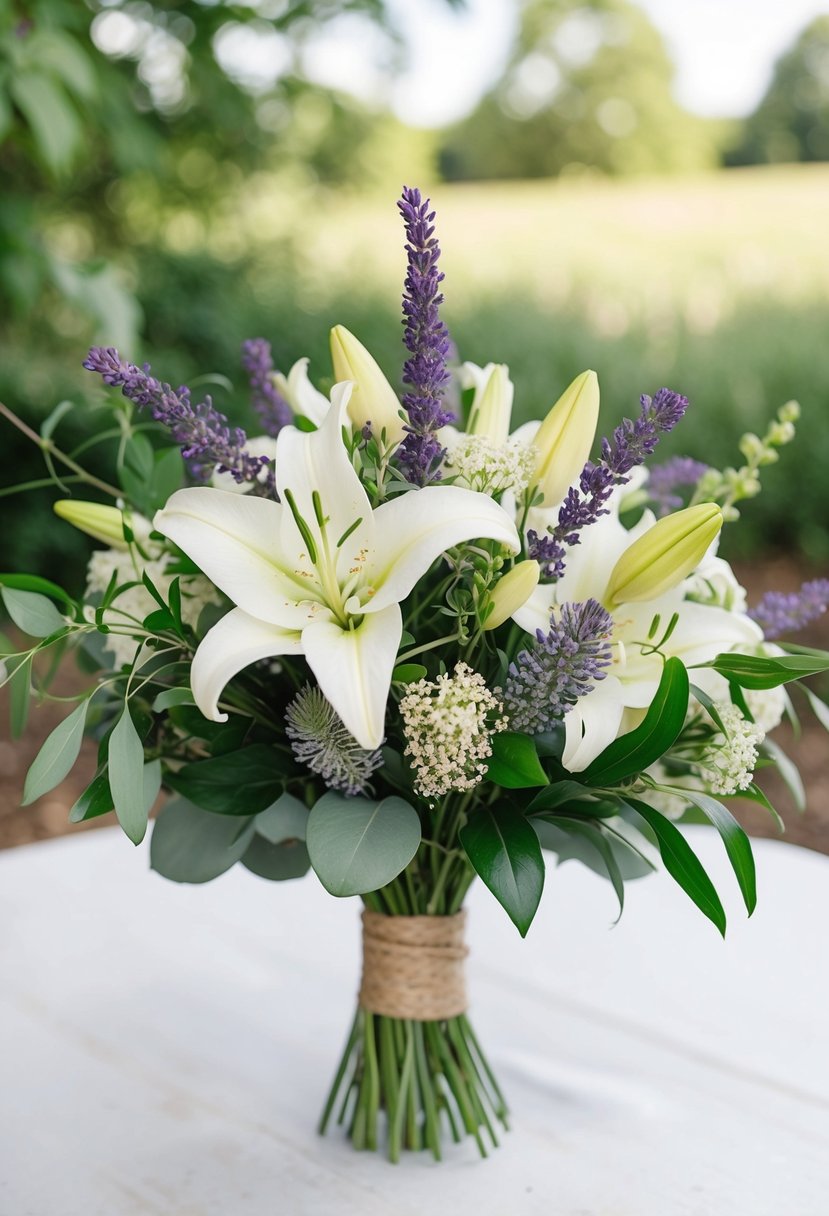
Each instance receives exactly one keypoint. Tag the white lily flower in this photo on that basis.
(300, 393)
(319, 573)
(617, 703)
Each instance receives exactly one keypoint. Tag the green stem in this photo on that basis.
(47, 446)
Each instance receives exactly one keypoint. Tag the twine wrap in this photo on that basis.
(413, 966)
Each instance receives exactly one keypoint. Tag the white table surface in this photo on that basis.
(165, 1050)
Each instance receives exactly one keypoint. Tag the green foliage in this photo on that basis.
(632, 753)
(356, 845)
(791, 122)
(514, 764)
(505, 852)
(587, 87)
(57, 755)
(239, 783)
(130, 782)
(191, 845)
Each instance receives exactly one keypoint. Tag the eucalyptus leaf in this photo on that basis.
(682, 863)
(32, 612)
(505, 852)
(57, 755)
(357, 845)
(194, 846)
(655, 735)
(286, 819)
(126, 777)
(276, 862)
(514, 764)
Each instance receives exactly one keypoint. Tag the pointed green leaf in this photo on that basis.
(357, 845)
(682, 863)
(20, 693)
(737, 844)
(819, 708)
(598, 842)
(514, 764)
(126, 777)
(94, 801)
(755, 671)
(172, 696)
(32, 612)
(194, 846)
(655, 735)
(505, 852)
(789, 772)
(33, 582)
(56, 757)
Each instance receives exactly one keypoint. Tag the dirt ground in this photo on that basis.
(48, 816)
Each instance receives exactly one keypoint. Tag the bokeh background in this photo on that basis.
(638, 187)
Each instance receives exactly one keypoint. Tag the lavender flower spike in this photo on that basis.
(207, 442)
(632, 442)
(561, 666)
(272, 408)
(779, 613)
(667, 477)
(427, 340)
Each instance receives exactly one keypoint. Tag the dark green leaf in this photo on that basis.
(514, 764)
(94, 801)
(504, 851)
(194, 846)
(737, 844)
(557, 794)
(682, 863)
(635, 751)
(126, 777)
(32, 612)
(754, 671)
(408, 673)
(276, 862)
(57, 756)
(357, 845)
(20, 693)
(243, 782)
(286, 819)
(33, 582)
(755, 794)
(53, 121)
(167, 477)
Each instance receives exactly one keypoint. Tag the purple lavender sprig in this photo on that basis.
(208, 444)
(272, 408)
(427, 339)
(667, 477)
(631, 444)
(559, 667)
(779, 613)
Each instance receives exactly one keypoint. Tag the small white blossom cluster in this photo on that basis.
(729, 761)
(136, 602)
(491, 468)
(767, 706)
(447, 733)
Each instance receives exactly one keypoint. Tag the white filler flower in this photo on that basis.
(319, 573)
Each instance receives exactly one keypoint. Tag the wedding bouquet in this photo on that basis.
(399, 643)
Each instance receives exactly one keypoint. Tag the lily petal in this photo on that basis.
(412, 530)
(301, 395)
(234, 539)
(318, 460)
(353, 668)
(235, 642)
(592, 724)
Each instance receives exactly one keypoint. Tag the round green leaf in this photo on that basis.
(192, 845)
(356, 845)
(276, 862)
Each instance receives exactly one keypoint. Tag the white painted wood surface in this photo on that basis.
(165, 1049)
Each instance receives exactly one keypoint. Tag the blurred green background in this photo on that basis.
(178, 177)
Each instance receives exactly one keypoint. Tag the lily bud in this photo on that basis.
(491, 409)
(664, 556)
(373, 399)
(565, 438)
(512, 592)
(101, 522)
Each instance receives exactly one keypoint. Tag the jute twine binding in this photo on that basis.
(413, 966)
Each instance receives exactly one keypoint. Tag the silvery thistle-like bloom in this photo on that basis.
(562, 665)
(448, 725)
(320, 741)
